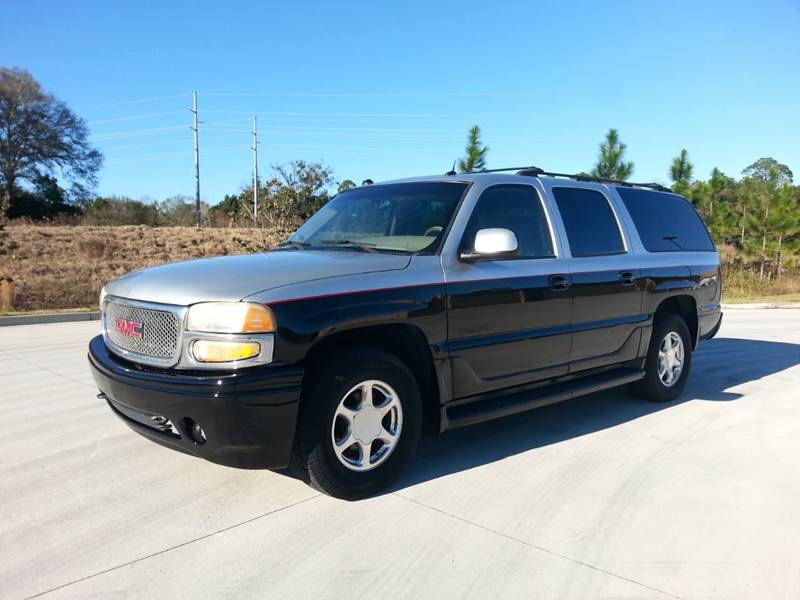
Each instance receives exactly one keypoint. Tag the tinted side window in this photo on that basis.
(666, 222)
(592, 229)
(517, 208)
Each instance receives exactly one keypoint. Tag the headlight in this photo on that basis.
(230, 317)
(217, 351)
(102, 297)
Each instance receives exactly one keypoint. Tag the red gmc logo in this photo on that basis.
(130, 328)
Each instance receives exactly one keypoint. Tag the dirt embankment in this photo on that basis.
(55, 267)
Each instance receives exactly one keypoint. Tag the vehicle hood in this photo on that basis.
(236, 277)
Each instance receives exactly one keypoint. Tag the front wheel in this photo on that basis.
(669, 359)
(360, 422)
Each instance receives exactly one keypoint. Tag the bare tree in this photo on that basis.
(40, 135)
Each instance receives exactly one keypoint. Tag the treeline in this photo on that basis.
(757, 217)
(292, 194)
(46, 203)
(754, 220)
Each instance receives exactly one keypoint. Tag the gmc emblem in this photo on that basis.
(130, 328)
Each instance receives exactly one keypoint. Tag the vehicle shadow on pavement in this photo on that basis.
(718, 366)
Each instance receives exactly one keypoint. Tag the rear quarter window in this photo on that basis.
(666, 222)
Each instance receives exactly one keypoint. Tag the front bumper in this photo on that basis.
(248, 416)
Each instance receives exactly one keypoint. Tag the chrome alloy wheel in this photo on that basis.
(366, 425)
(670, 359)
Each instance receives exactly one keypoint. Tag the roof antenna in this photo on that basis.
(452, 171)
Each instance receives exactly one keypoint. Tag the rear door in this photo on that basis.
(606, 280)
(508, 319)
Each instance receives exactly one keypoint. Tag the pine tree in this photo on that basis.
(785, 225)
(475, 158)
(610, 163)
(723, 211)
(681, 173)
(771, 208)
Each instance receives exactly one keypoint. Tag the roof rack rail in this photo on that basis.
(536, 171)
(583, 177)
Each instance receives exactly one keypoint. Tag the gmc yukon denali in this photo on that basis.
(419, 304)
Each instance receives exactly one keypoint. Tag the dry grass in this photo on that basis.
(778, 299)
(63, 267)
(55, 267)
(741, 284)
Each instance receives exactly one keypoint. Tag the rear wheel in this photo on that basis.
(360, 423)
(669, 359)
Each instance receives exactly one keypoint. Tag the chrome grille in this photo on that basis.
(159, 331)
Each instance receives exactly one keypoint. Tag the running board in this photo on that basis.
(501, 406)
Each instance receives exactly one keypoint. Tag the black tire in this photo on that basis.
(652, 387)
(314, 459)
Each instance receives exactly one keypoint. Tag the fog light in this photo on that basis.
(194, 430)
(212, 351)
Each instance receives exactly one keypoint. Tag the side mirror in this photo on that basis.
(493, 243)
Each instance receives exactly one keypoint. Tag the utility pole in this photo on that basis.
(255, 169)
(196, 165)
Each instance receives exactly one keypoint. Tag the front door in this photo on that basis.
(508, 319)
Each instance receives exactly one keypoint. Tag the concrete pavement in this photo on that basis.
(602, 496)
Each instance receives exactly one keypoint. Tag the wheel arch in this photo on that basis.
(406, 342)
(685, 306)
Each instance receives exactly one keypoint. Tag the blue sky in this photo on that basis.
(386, 90)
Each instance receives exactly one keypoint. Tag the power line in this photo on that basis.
(369, 136)
(228, 128)
(137, 101)
(277, 129)
(290, 128)
(137, 132)
(359, 129)
(378, 151)
(373, 151)
(369, 94)
(318, 95)
(361, 115)
(213, 137)
(399, 136)
(180, 154)
(135, 117)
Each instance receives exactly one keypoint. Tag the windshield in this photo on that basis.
(399, 217)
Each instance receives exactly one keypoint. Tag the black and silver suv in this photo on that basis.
(432, 302)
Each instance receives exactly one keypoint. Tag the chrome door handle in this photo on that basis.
(559, 283)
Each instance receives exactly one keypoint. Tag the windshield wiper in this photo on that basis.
(672, 238)
(293, 244)
(363, 246)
